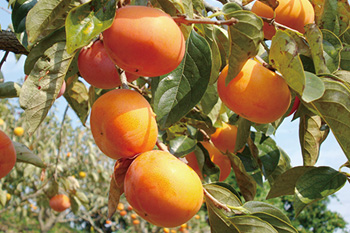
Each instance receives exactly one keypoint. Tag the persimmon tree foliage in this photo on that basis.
(314, 65)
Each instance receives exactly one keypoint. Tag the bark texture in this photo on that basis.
(9, 42)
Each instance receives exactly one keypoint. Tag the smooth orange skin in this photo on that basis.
(7, 154)
(144, 41)
(123, 124)
(162, 189)
(59, 202)
(224, 138)
(221, 160)
(256, 93)
(292, 13)
(98, 69)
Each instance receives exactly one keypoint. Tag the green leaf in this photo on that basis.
(82, 197)
(9, 90)
(285, 183)
(252, 224)
(208, 168)
(182, 145)
(345, 58)
(311, 135)
(283, 166)
(88, 20)
(332, 47)
(78, 98)
(316, 184)
(217, 220)
(75, 204)
(334, 108)
(25, 155)
(46, 17)
(231, 7)
(314, 37)
(314, 88)
(244, 37)
(210, 99)
(221, 38)
(223, 195)
(280, 225)
(262, 207)
(178, 92)
(269, 153)
(3, 197)
(284, 57)
(243, 133)
(245, 182)
(44, 83)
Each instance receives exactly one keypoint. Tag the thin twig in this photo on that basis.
(182, 19)
(215, 201)
(272, 21)
(123, 78)
(7, 11)
(161, 146)
(4, 58)
(60, 141)
(265, 64)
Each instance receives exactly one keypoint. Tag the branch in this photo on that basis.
(9, 42)
(187, 21)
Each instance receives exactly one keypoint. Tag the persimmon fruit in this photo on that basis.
(145, 41)
(18, 131)
(225, 137)
(295, 106)
(292, 13)
(162, 189)
(60, 202)
(221, 160)
(256, 93)
(7, 154)
(123, 124)
(97, 68)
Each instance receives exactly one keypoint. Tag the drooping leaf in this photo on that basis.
(178, 92)
(334, 108)
(285, 183)
(46, 17)
(182, 145)
(210, 99)
(245, 182)
(284, 57)
(269, 153)
(223, 195)
(332, 47)
(280, 225)
(244, 37)
(88, 20)
(78, 98)
(282, 166)
(314, 37)
(262, 207)
(44, 83)
(221, 38)
(208, 168)
(316, 184)
(9, 90)
(243, 132)
(25, 155)
(311, 135)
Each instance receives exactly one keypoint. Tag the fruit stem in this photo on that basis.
(239, 210)
(272, 21)
(161, 146)
(265, 64)
(217, 203)
(122, 77)
(187, 21)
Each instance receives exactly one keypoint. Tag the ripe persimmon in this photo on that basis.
(145, 41)
(292, 13)
(221, 160)
(7, 154)
(256, 93)
(123, 124)
(98, 69)
(59, 202)
(162, 189)
(224, 138)
(18, 131)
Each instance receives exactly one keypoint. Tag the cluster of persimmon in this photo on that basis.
(122, 121)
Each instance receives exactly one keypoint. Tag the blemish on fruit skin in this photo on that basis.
(39, 87)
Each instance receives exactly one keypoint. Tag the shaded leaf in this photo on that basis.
(208, 168)
(9, 90)
(314, 88)
(178, 92)
(243, 133)
(78, 98)
(244, 37)
(223, 195)
(87, 21)
(210, 99)
(280, 225)
(262, 207)
(334, 108)
(285, 184)
(82, 197)
(345, 58)
(282, 166)
(245, 182)
(252, 224)
(25, 155)
(316, 184)
(182, 145)
(332, 47)
(44, 83)
(311, 135)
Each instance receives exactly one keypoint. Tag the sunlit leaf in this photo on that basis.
(9, 90)
(25, 155)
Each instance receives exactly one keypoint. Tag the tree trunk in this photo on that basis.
(9, 42)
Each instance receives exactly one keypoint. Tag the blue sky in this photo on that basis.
(287, 136)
